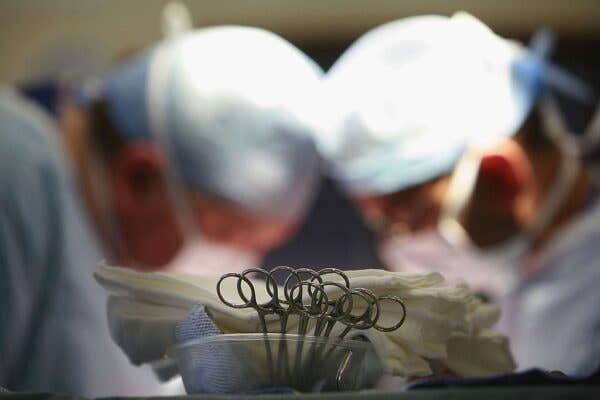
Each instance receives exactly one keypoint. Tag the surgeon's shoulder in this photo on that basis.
(573, 256)
(28, 137)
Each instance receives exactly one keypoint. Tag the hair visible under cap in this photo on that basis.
(106, 139)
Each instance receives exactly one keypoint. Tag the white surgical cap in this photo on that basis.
(231, 105)
(410, 95)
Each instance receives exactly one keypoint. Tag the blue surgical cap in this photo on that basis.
(232, 107)
(410, 96)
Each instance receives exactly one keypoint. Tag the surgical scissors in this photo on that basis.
(308, 298)
(324, 296)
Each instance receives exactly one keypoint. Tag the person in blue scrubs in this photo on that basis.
(450, 142)
(54, 337)
(203, 140)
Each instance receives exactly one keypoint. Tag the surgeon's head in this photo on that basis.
(206, 135)
(493, 193)
(437, 129)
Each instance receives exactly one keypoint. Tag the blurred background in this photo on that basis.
(41, 39)
(37, 35)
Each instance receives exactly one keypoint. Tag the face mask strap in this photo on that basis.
(556, 131)
(460, 190)
(590, 141)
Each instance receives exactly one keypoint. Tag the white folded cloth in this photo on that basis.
(444, 325)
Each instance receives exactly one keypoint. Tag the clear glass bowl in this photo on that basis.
(254, 363)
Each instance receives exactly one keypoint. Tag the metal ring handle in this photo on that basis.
(291, 272)
(312, 276)
(269, 305)
(367, 323)
(310, 310)
(297, 274)
(399, 323)
(286, 291)
(335, 271)
(248, 303)
(337, 312)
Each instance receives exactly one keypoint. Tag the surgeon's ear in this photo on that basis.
(505, 174)
(501, 203)
(142, 202)
(137, 176)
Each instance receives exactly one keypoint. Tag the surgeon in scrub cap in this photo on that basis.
(203, 142)
(206, 139)
(449, 140)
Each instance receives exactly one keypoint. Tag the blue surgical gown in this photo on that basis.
(553, 318)
(53, 335)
